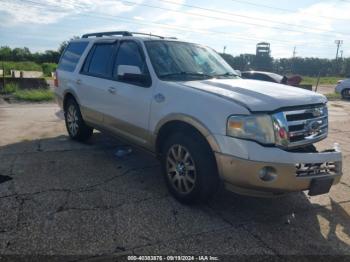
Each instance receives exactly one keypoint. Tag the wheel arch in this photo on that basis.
(69, 94)
(175, 122)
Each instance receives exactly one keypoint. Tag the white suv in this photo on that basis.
(185, 104)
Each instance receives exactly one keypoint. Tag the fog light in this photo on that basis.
(267, 174)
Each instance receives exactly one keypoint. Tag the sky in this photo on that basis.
(308, 25)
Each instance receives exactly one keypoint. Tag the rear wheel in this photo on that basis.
(76, 127)
(189, 168)
(345, 94)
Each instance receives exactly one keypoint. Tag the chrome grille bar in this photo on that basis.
(304, 121)
(306, 126)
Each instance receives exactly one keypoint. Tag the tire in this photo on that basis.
(345, 94)
(76, 127)
(191, 175)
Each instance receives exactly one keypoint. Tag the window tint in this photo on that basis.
(100, 63)
(129, 54)
(71, 56)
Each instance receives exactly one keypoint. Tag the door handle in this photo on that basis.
(112, 90)
(78, 81)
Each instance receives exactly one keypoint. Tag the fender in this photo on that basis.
(197, 124)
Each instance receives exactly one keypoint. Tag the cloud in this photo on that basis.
(51, 11)
(310, 28)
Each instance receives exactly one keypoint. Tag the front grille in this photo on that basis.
(327, 168)
(306, 126)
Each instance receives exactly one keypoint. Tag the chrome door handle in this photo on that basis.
(112, 90)
(78, 81)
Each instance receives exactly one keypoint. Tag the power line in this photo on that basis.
(218, 32)
(199, 30)
(221, 18)
(172, 28)
(287, 10)
(245, 16)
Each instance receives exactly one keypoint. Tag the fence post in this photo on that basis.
(318, 80)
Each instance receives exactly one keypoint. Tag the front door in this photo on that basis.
(128, 103)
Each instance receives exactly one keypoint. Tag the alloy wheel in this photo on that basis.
(72, 120)
(181, 169)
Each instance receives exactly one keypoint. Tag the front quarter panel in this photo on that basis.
(208, 113)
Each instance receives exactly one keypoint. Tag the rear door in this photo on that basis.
(94, 80)
(67, 67)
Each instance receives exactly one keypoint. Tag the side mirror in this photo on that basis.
(128, 69)
(132, 74)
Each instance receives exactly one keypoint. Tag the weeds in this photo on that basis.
(34, 95)
(10, 88)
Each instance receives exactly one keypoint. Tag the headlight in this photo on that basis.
(254, 127)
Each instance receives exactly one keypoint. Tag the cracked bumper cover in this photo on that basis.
(242, 169)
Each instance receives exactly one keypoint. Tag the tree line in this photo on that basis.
(309, 66)
(287, 66)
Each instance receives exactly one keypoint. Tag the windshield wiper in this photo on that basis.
(186, 74)
(227, 74)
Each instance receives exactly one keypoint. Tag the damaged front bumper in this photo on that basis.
(273, 171)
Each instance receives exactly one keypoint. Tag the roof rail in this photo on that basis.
(100, 34)
(145, 34)
(122, 33)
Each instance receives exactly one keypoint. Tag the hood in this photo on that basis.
(257, 95)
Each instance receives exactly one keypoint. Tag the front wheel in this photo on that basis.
(345, 94)
(76, 127)
(189, 168)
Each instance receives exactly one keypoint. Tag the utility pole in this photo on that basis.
(224, 50)
(338, 43)
(294, 54)
(341, 54)
(294, 51)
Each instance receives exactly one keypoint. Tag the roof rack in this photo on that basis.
(122, 33)
(100, 34)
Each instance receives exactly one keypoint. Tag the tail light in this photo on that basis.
(55, 79)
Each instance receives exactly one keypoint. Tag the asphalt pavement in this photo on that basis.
(60, 197)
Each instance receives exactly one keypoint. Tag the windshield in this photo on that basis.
(178, 61)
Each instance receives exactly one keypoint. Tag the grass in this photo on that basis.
(25, 66)
(34, 95)
(10, 88)
(326, 80)
(46, 68)
(333, 96)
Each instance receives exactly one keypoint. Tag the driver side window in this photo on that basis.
(129, 54)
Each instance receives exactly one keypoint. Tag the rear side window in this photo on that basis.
(71, 56)
(100, 61)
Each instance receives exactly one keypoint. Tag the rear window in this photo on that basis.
(71, 56)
